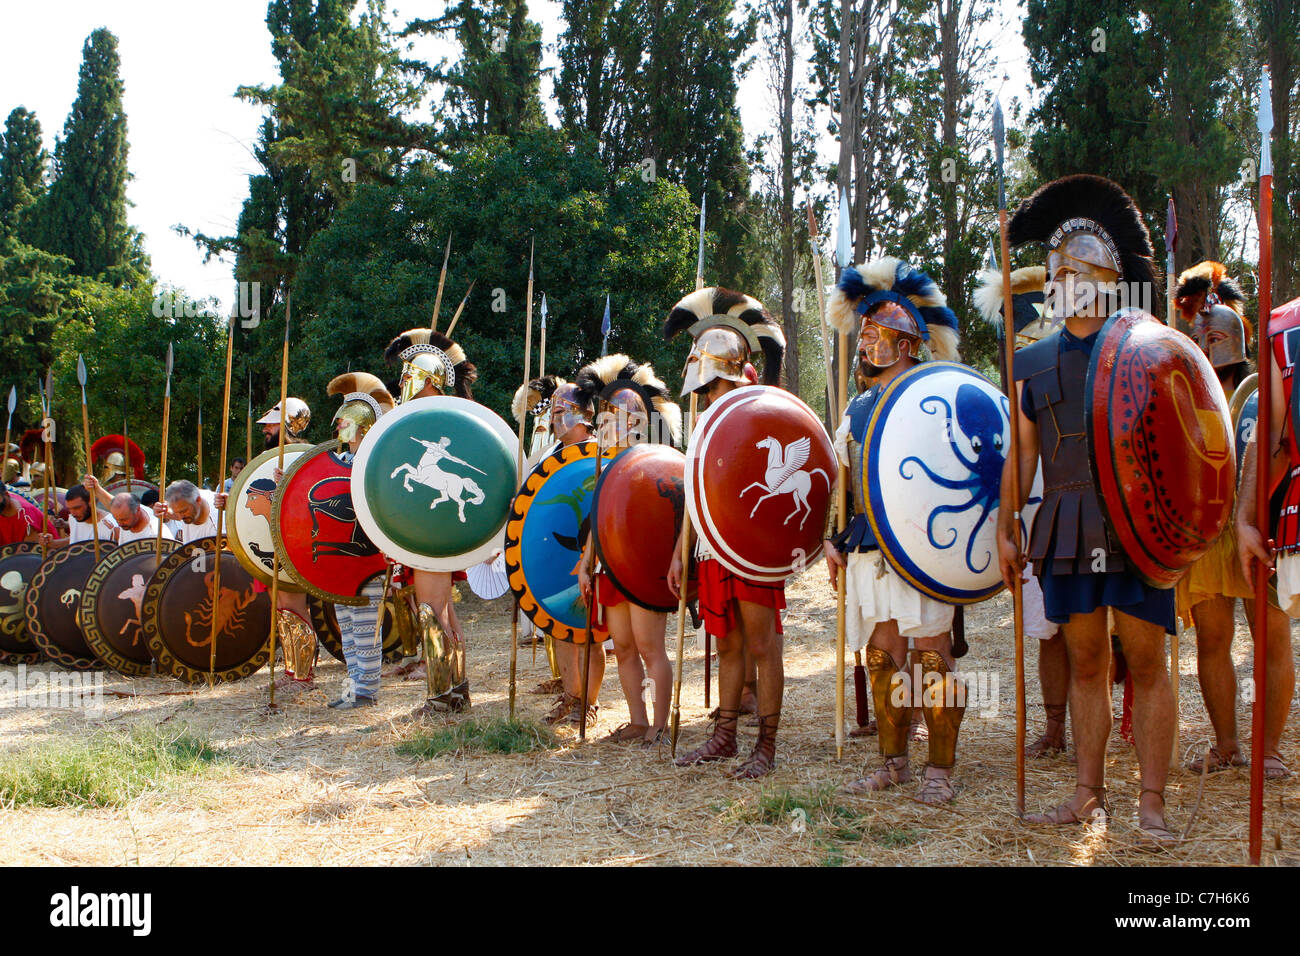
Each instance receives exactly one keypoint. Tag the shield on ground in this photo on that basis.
(315, 527)
(111, 605)
(397, 615)
(1160, 444)
(759, 473)
(178, 614)
(18, 565)
(249, 510)
(52, 602)
(433, 481)
(639, 503)
(544, 537)
(932, 466)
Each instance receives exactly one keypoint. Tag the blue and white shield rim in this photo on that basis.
(932, 469)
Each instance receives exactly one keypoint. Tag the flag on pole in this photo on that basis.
(604, 329)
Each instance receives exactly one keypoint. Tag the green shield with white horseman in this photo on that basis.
(433, 480)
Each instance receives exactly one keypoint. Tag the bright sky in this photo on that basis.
(191, 139)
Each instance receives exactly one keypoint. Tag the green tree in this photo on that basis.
(84, 213)
(656, 83)
(373, 272)
(22, 170)
(494, 87)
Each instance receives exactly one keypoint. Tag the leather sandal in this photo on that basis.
(762, 761)
(1065, 815)
(1215, 761)
(894, 771)
(936, 788)
(1158, 837)
(721, 744)
(1045, 746)
(626, 733)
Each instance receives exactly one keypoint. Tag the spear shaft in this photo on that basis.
(523, 421)
(442, 279)
(221, 512)
(275, 560)
(162, 469)
(85, 437)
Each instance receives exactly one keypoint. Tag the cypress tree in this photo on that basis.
(22, 170)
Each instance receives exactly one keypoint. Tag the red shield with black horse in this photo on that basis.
(638, 508)
(760, 469)
(315, 527)
(1160, 443)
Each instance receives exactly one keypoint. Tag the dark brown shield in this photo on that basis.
(178, 614)
(315, 528)
(18, 565)
(112, 602)
(326, 623)
(51, 604)
(638, 507)
(1160, 444)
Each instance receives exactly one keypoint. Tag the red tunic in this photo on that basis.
(720, 590)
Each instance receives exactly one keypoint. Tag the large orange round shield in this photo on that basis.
(638, 508)
(1160, 444)
(760, 469)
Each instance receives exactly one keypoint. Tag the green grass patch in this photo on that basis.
(494, 736)
(105, 770)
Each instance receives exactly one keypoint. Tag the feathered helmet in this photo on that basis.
(728, 327)
(364, 399)
(1093, 230)
(109, 454)
(1214, 304)
(535, 397)
(638, 403)
(431, 357)
(1028, 305)
(888, 299)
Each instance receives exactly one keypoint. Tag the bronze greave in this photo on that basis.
(891, 693)
(943, 701)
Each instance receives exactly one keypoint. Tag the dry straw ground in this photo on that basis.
(312, 786)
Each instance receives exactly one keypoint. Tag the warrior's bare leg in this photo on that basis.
(569, 658)
(1087, 640)
(1215, 625)
(648, 633)
(630, 670)
(1054, 678)
(731, 679)
(1280, 674)
(1153, 716)
(764, 646)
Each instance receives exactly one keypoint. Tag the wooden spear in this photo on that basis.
(221, 512)
(1013, 454)
(162, 469)
(676, 720)
(523, 421)
(85, 437)
(199, 466)
(47, 436)
(442, 279)
(9, 425)
(1263, 471)
(1175, 641)
(248, 447)
(275, 560)
(460, 308)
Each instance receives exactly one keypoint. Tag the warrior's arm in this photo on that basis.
(1012, 503)
(1278, 419)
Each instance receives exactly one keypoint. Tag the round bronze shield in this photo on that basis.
(1160, 444)
(759, 473)
(18, 565)
(177, 617)
(51, 604)
(326, 622)
(249, 515)
(111, 605)
(638, 507)
(314, 524)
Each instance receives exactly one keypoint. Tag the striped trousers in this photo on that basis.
(362, 652)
